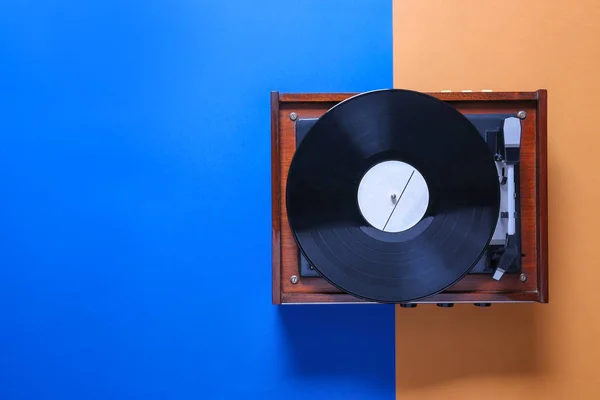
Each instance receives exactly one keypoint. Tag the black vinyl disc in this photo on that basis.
(392, 196)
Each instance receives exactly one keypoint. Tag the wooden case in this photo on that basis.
(529, 286)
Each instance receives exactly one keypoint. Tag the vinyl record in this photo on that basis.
(392, 196)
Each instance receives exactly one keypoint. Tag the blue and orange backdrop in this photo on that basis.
(135, 173)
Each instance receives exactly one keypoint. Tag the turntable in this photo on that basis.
(397, 196)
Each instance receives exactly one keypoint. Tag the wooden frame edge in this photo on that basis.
(542, 193)
(315, 97)
(275, 201)
(444, 96)
(466, 298)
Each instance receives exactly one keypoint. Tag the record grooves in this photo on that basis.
(393, 195)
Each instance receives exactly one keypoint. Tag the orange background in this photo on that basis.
(513, 351)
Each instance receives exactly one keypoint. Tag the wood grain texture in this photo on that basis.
(314, 97)
(444, 96)
(444, 297)
(486, 96)
(542, 194)
(473, 287)
(275, 202)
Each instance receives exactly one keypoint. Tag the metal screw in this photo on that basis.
(294, 279)
(523, 278)
(522, 114)
(393, 197)
(293, 116)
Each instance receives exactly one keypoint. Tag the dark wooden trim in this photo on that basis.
(542, 193)
(444, 96)
(314, 97)
(298, 298)
(475, 297)
(485, 96)
(275, 200)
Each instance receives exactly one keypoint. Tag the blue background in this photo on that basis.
(135, 174)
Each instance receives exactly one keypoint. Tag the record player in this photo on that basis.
(397, 196)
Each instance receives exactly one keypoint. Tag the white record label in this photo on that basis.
(393, 196)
